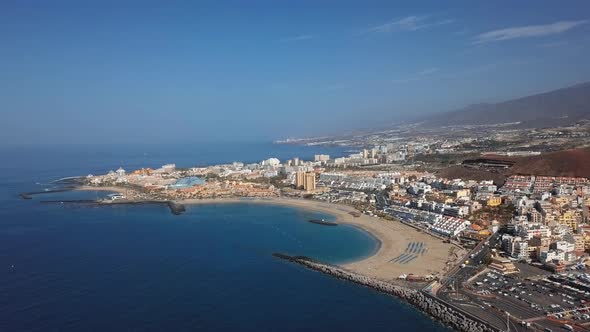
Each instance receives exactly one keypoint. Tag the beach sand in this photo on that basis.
(393, 235)
(120, 190)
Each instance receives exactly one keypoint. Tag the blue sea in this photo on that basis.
(140, 268)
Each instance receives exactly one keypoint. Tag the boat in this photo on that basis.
(322, 222)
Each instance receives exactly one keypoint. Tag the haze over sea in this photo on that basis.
(76, 268)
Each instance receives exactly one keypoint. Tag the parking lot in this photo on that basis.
(534, 298)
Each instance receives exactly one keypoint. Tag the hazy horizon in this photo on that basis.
(145, 72)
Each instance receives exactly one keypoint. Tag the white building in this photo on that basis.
(120, 172)
(449, 226)
(271, 162)
(321, 157)
(419, 188)
(564, 246)
(548, 256)
(168, 168)
(536, 230)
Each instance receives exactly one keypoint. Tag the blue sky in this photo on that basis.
(100, 71)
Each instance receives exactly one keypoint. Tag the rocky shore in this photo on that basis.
(434, 307)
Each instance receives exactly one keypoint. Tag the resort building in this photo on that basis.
(299, 180)
(309, 184)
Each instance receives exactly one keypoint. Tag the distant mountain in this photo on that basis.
(558, 107)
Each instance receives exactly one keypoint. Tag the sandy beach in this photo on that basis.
(393, 235)
(119, 190)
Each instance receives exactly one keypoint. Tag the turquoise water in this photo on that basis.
(70, 267)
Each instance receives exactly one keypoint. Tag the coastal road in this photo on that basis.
(476, 255)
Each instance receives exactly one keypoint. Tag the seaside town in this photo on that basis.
(329, 166)
(524, 238)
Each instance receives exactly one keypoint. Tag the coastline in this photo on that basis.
(392, 237)
(378, 270)
(336, 210)
(118, 190)
(438, 309)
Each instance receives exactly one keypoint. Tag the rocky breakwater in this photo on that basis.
(176, 208)
(436, 308)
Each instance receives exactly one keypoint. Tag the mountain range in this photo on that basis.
(554, 108)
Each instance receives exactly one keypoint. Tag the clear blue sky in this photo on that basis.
(100, 71)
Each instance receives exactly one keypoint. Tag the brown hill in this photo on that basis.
(574, 163)
(561, 163)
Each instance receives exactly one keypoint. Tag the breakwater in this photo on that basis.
(434, 307)
(322, 222)
(175, 208)
(30, 194)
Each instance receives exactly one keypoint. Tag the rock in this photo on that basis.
(434, 307)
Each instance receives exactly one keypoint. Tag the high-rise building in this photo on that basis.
(309, 184)
(373, 153)
(299, 180)
(365, 153)
(321, 157)
(295, 161)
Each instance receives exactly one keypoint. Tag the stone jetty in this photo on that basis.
(176, 208)
(434, 307)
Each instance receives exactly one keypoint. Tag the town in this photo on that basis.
(526, 238)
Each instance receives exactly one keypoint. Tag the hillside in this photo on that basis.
(461, 172)
(558, 107)
(562, 163)
(575, 163)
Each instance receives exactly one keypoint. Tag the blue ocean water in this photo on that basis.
(140, 268)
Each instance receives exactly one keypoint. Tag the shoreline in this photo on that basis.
(436, 308)
(393, 238)
(378, 270)
(341, 216)
(118, 190)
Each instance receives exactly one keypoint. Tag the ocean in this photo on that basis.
(140, 268)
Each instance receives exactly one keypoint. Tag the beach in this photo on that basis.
(394, 237)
